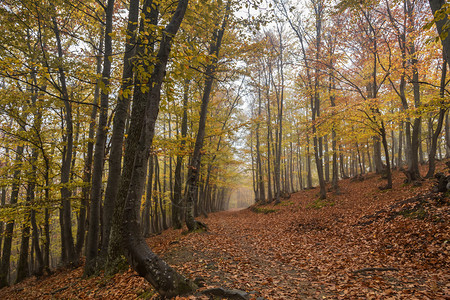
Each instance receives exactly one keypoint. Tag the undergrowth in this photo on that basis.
(319, 203)
(263, 210)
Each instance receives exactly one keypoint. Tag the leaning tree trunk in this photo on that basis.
(194, 169)
(162, 277)
(436, 5)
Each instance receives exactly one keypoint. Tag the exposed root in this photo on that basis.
(226, 294)
(375, 269)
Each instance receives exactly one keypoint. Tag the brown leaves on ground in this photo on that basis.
(362, 244)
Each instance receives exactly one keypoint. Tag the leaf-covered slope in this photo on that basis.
(363, 243)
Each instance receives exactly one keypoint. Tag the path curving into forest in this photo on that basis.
(360, 244)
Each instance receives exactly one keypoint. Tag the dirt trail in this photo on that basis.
(295, 250)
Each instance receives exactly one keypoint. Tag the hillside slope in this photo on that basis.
(364, 243)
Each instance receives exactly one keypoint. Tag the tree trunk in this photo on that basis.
(67, 244)
(162, 277)
(435, 5)
(116, 242)
(369, 160)
(308, 165)
(91, 265)
(260, 180)
(146, 222)
(156, 195)
(177, 200)
(386, 154)
(327, 159)
(377, 155)
(415, 138)
(269, 138)
(437, 132)
(194, 168)
(400, 147)
(123, 103)
(291, 168)
(3, 202)
(8, 234)
(87, 170)
(22, 266)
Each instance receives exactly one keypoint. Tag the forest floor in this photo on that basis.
(362, 244)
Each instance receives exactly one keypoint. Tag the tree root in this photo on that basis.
(225, 293)
(375, 269)
(201, 225)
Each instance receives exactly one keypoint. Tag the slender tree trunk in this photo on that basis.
(400, 147)
(22, 265)
(260, 175)
(8, 234)
(3, 202)
(308, 164)
(335, 177)
(415, 138)
(280, 103)
(156, 196)
(47, 220)
(291, 167)
(87, 170)
(91, 265)
(194, 169)
(146, 222)
(66, 214)
(361, 170)
(386, 154)
(437, 132)
(327, 159)
(177, 200)
(393, 146)
(315, 101)
(269, 138)
(36, 247)
(299, 166)
(341, 163)
(254, 179)
(447, 137)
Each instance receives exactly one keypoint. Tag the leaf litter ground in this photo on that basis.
(361, 244)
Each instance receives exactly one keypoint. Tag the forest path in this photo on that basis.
(359, 244)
